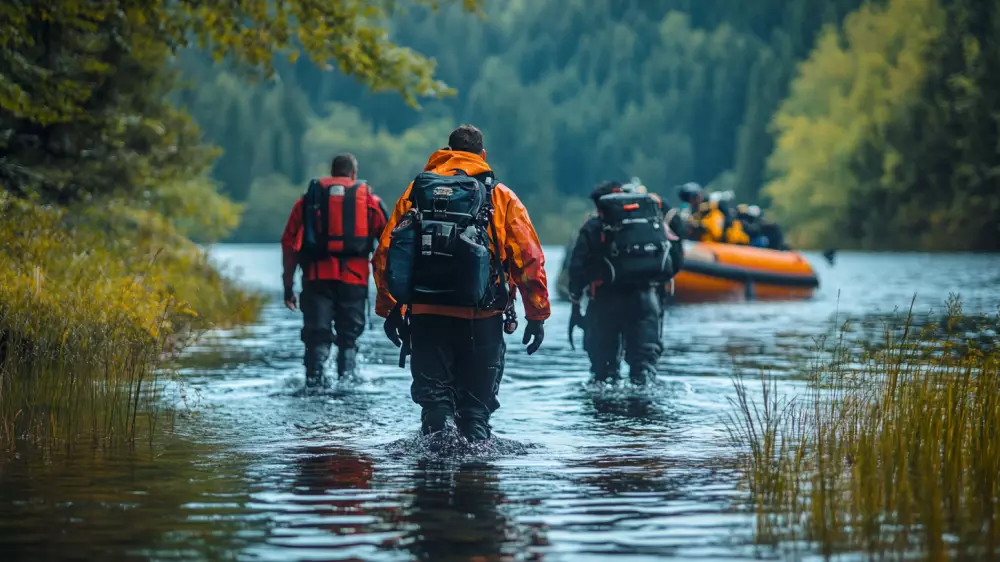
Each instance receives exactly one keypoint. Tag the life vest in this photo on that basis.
(634, 238)
(714, 223)
(335, 220)
(441, 251)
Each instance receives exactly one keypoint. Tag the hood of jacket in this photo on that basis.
(444, 162)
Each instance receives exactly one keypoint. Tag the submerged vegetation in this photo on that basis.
(892, 451)
(90, 303)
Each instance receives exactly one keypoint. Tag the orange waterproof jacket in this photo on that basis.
(519, 246)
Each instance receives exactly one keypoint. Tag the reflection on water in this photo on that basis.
(183, 502)
(645, 409)
(456, 513)
(261, 468)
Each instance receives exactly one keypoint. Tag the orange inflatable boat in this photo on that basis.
(729, 272)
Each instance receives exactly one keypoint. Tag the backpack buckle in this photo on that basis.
(439, 204)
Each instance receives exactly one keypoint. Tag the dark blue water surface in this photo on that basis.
(257, 468)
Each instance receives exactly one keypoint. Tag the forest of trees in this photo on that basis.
(568, 93)
(103, 178)
(889, 139)
(573, 92)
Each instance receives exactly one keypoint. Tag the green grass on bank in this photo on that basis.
(92, 301)
(891, 452)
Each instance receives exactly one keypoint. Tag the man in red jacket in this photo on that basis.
(331, 232)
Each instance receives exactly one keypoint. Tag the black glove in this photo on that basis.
(395, 326)
(533, 330)
(289, 298)
(576, 316)
(575, 320)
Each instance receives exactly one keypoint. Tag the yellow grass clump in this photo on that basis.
(91, 300)
(891, 452)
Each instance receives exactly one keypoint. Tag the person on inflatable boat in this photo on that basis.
(710, 219)
(763, 233)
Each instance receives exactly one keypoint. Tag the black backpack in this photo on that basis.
(636, 247)
(335, 221)
(441, 251)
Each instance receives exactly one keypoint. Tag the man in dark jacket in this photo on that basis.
(621, 316)
(335, 282)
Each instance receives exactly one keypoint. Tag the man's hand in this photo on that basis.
(576, 317)
(534, 333)
(395, 326)
(575, 320)
(291, 303)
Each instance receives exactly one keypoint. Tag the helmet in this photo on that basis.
(720, 196)
(751, 211)
(634, 185)
(690, 191)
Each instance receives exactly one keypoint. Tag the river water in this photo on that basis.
(257, 468)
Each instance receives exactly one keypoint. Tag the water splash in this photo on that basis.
(450, 444)
(263, 468)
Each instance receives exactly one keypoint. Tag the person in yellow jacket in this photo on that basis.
(457, 352)
(710, 220)
(717, 226)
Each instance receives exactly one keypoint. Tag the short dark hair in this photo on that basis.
(605, 188)
(344, 165)
(466, 138)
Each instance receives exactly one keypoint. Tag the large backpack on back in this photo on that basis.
(335, 221)
(442, 251)
(636, 246)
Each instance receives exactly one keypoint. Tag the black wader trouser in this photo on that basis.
(626, 318)
(328, 306)
(457, 365)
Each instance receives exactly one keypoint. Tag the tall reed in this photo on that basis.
(90, 302)
(891, 452)
(60, 381)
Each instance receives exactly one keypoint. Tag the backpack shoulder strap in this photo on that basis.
(312, 186)
(360, 186)
(487, 178)
(315, 194)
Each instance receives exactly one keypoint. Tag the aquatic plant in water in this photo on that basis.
(91, 304)
(891, 451)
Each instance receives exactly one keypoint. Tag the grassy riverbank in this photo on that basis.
(892, 451)
(92, 302)
(103, 182)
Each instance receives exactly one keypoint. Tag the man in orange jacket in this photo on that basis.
(330, 234)
(458, 351)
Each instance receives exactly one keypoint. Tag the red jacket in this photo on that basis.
(352, 270)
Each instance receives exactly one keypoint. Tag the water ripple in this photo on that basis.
(260, 467)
